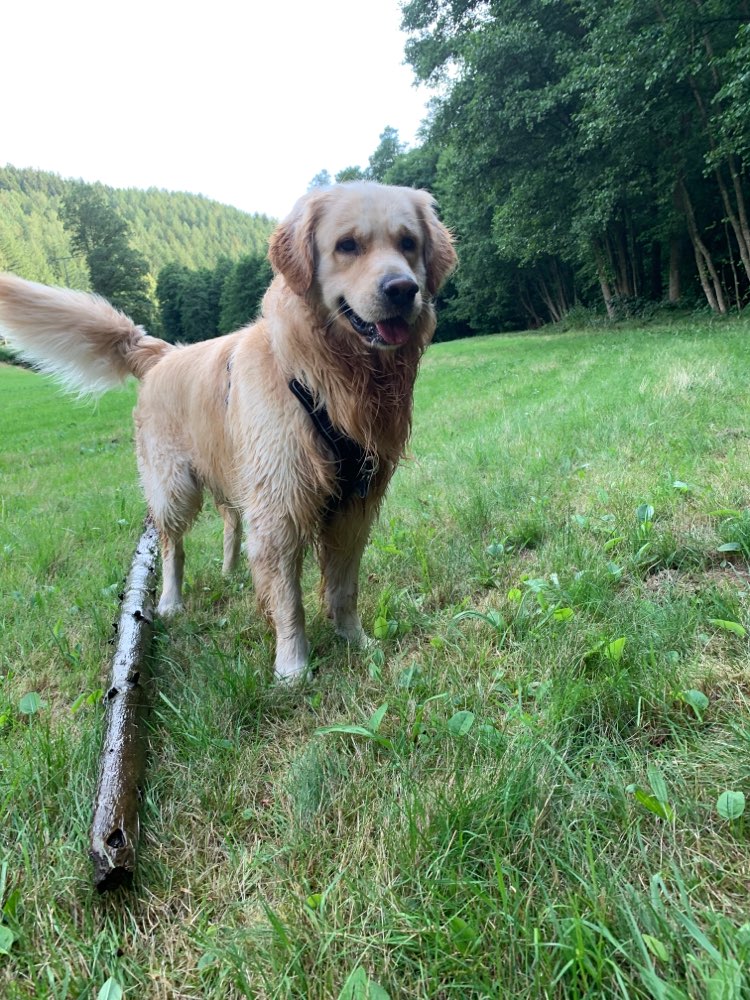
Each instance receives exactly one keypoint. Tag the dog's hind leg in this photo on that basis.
(232, 537)
(172, 569)
(175, 497)
(173, 522)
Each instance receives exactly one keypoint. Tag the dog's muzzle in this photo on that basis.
(397, 291)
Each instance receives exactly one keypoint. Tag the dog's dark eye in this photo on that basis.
(408, 244)
(347, 245)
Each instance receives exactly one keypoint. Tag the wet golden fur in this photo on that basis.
(219, 415)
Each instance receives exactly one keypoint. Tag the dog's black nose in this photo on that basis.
(399, 289)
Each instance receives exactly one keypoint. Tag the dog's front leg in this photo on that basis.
(342, 542)
(275, 552)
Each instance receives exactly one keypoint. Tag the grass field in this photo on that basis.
(531, 786)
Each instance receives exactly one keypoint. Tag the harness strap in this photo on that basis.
(355, 466)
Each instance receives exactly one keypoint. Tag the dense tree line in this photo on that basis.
(165, 227)
(200, 304)
(171, 226)
(586, 152)
(179, 264)
(33, 241)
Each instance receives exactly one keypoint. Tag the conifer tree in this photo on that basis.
(100, 235)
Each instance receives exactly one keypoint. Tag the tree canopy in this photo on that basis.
(587, 151)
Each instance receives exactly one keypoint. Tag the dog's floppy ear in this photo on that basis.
(292, 246)
(439, 254)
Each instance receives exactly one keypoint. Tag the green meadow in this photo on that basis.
(531, 785)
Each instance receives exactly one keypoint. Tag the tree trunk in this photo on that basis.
(733, 269)
(740, 198)
(656, 282)
(115, 828)
(712, 288)
(548, 300)
(603, 280)
(563, 300)
(739, 235)
(634, 262)
(675, 268)
(528, 305)
(737, 219)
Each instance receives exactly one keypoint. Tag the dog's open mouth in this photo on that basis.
(391, 332)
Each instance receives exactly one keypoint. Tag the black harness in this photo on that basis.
(355, 467)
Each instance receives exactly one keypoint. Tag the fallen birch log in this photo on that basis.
(115, 828)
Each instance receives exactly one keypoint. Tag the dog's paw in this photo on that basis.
(367, 644)
(358, 639)
(353, 633)
(169, 608)
(290, 673)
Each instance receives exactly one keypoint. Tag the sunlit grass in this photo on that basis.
(560, 576)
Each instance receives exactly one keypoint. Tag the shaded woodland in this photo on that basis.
(587, 154)
(590, 157)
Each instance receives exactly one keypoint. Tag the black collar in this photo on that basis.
(355, 466)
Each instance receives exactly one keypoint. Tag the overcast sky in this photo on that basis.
(241, 102)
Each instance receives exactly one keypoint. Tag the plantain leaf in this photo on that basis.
(730, 805)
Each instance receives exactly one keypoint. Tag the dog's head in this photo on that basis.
(369, 258)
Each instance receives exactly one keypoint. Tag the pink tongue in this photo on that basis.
(393, 331)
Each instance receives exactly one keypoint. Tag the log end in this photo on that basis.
(114, 861)
(111, 878)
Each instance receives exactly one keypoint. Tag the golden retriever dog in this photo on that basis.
(296, 423)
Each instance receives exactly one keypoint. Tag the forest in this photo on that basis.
(590, 157)
(132, 245)
(587, 154)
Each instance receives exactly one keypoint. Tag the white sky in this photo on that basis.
(243, 102)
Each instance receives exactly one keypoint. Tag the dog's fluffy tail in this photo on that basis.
(79, 338)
